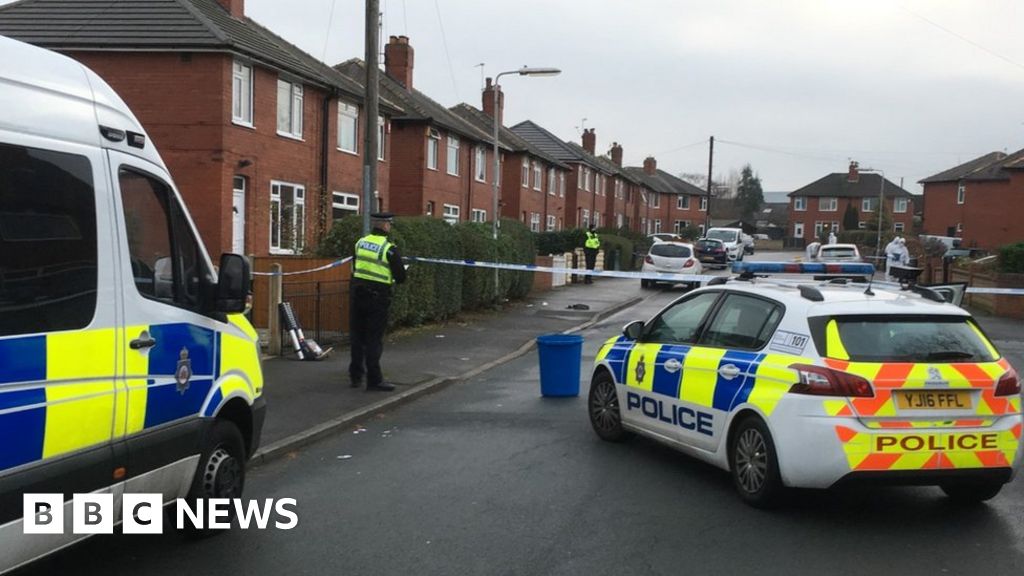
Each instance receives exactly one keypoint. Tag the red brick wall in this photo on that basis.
(990, 214)
(812, 215)
(346, 168)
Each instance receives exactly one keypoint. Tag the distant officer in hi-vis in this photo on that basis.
(377, 265)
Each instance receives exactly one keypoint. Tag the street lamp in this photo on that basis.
(524, 71)
(881, 207)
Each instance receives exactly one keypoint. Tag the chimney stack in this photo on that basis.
(617, 154)
(398, 60)
(589, 140)
(234, 7)
(650, 165)
(488, 102)
(854, 175)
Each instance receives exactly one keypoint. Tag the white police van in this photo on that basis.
(125, 364)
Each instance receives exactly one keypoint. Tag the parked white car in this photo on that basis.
(732, 238)
(838, 253)
(671, 258)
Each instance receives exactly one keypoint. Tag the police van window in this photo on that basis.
(166, 260)
(48, 250)
(743, 322)
(682, 322)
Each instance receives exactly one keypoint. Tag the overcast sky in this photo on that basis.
(795, 88)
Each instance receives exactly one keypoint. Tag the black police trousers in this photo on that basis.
(590, 255)
(368, 317)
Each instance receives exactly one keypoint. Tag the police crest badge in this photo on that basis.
(183, 373)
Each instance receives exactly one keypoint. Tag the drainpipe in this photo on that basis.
(325, 149)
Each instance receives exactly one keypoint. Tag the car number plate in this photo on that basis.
(707, 258)
(932, 399)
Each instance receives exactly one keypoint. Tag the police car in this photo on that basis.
(125, 364)
(788, 384)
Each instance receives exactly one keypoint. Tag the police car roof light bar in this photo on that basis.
(847, 268)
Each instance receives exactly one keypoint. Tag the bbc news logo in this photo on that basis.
(144, 513)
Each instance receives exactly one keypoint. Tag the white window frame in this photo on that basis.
(561, 184)
(655, 198)
(534, 221)
(451, 213)
(798, 229)
(619, 190)
(299, 199)
(538, 176)
(344, 201)
(678, 226)
(295, 109)
(382, 136)
(551, 223)
(433, 148)
(480, 158)
(961, 193)
(452, 160)
(429, 210)
(800, 203)
(900, 205)
(828, 204)
(525, 173)
(867, 204)
(620, 220)
(959, 228)
(586, 179)
(703, 204)
(683, 202)
(552, 182)
(348, 114)
(477, 215)
(898, 227)
(657, 225)
(586, 218)
(597, 219)
(241, 93)
(862, 225)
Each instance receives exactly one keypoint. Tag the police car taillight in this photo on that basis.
(821, 381)
(1009, 384)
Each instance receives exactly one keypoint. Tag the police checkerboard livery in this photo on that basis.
(813, 384)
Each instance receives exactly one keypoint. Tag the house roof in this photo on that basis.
(991, 166)
(417, 106)
(554, 146)
(836, 184)
(665, 183)
(604, 164)
(161, 25)
(506, 137)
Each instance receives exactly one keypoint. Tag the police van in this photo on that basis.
(803, 384)
(126, 365)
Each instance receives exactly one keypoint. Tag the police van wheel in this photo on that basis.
(972, 492)
(603, 404)
(221, 472)
(753, 464)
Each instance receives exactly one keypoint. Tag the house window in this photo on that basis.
(655, 200)
(241, 94)
(619, 193)
(289, 109)
(538, 179)
(477, 215)
(703, 203)
(451, 213)
(898, 227)
(430, 208)
(867, 205)
(683, 202)
(561, 184)
(597, 219)
(862, 225)
(959, 228)
(586, 218)
(900, 206)
(525, 174)
(433, 144)
(828, 204)
(534, 222)
(657, 226)
(453, 155)
(701, 228)
(481, 164)
(348, 127)
(599, 184)
(800, 205)
(798, 230)
(343, 205)
(551, 223)
(823, 227)
(619, 220)
(961, 193)
(287, 217)
(679, 225)
(551, 182)
(382, 134)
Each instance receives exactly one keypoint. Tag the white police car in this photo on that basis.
(790, 385)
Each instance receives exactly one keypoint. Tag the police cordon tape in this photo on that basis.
(845, 269)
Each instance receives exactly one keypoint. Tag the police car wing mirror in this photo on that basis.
(233, 284)
(633, 330)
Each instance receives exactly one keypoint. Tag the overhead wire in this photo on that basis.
(327, 36)
(447, 54)
(962, 37)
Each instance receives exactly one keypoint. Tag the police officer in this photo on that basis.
(377, 265)
(590, 248)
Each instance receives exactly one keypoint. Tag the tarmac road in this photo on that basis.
(487, 477)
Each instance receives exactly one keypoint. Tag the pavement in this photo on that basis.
(309, 400)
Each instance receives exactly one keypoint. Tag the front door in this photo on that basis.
(238, 216)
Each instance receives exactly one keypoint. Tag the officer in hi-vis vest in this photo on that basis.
(590, 248)
(377, 265)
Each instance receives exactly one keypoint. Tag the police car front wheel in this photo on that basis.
(603, 405)
(753, 464)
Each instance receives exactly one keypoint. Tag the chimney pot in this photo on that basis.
(487, 99)
(589, 140)
(398, 60)
(616, 153)
(650, 165)
(854, 173)
(234, 7)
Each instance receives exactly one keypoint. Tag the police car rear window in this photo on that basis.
(933, 339)
(47, 241)
(838, 253)
(670, 251)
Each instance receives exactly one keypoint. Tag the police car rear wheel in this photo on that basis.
(221, 472)
(604, 408)
(754, 467)
(973, 492)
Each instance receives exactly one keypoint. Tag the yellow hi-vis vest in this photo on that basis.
(592, 241)
(372, 259)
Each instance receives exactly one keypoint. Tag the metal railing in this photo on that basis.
(318, 308)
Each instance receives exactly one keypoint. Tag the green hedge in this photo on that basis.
(866, 240)
(624, 247)
(560, 242)
(1011, 258)
(434, 292)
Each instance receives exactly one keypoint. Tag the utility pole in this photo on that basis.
(711, 163)
(371, 109)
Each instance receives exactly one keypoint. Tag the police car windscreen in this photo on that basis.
(670, 251)
(935, 339)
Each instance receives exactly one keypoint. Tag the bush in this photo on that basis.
(515, 245)
(560, 242)
(1011, 258)
(866, 240)
(624, 246)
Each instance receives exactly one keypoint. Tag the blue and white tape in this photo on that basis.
(657, 276)
(334, 264)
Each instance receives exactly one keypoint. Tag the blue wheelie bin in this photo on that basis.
(560, 359)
